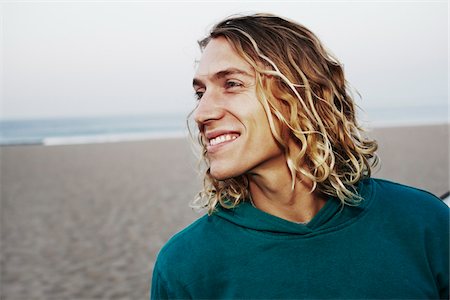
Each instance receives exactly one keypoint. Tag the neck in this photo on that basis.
(273, 193)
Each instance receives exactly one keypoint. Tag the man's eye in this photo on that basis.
(198, 95)
(232, 84)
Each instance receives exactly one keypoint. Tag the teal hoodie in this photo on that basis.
(395, 244)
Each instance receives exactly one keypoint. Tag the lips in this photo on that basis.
(218, 138)
(223, 138)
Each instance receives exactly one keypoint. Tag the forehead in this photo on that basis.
(219, 55)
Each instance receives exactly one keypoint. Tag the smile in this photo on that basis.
(222, 139)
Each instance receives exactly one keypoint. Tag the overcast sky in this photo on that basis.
(112, 58)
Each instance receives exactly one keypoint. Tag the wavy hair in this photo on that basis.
(304, 92)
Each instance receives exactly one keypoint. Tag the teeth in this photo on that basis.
(221, 139)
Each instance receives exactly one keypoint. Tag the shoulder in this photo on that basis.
(185, 240)
(411, 217)
(416, 221)
(409, 201)
(175, 260)
(405, 194)
(189, 249)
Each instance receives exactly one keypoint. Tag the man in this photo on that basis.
(292, 210)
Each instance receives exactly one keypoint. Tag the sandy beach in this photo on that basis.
(87, 221)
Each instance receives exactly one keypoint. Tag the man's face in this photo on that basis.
(232, 121)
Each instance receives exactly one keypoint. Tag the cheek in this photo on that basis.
(283, 110)
(280, 132)
(263, 128)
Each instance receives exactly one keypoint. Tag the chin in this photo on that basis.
(219, 176)
(222, 173)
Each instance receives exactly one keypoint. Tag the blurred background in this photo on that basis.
(97, 170)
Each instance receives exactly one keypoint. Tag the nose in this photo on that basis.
(208, 109)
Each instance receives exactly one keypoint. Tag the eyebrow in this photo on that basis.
(222, 74)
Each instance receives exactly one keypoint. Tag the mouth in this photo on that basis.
(215, 141)
(222, 139)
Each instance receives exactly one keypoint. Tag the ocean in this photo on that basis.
(83, 130)
(63, 131)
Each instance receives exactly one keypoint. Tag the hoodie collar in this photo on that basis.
(331, 215)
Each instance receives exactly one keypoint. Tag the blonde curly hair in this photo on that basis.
(303, 89)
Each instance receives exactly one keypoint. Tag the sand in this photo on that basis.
(416, 156)
(86, 221)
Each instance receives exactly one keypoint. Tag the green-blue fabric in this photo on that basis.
(395, 244)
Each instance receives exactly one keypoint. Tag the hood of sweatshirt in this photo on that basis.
(331, 216)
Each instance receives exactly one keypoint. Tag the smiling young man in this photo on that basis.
(292, 210)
